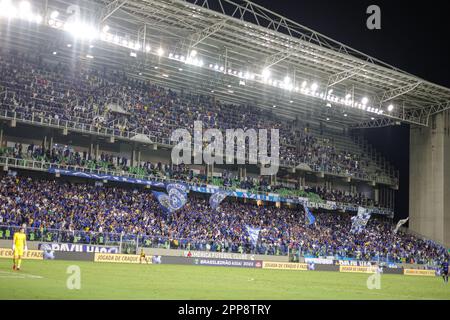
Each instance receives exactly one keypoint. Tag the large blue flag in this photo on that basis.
(309, 217)
(164, 201)
(177, 194)
(253, 234)
(216, 199)
(359, 221)
(175, 199)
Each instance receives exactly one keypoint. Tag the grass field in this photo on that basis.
(47, 280)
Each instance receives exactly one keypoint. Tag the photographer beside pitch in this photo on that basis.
(19, 246)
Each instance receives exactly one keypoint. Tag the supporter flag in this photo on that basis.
(253, 234)
(400, 223)
(177, 194)
(309, 217)
(216, 199)
(163, 200)
(359, 221)
(175, 199)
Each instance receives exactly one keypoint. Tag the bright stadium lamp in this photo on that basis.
(266, 73)
(7, 9)
(390, 108)
(81, 30)
(24, 8)
(54, 15)
(38, 19)
(160, 51)
(193, 53)
(314, 86)
(365, 100)
(304, 84)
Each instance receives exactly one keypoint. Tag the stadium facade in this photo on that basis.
(228, 53)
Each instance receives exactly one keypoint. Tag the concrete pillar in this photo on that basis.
(133, 157)
(91, 150)
(139, 158)
(376, 195)
(96, 151)
(44, 143)
(429, 179)
(209, 171)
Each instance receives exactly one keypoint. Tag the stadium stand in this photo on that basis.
(86, 213)
(88, 98)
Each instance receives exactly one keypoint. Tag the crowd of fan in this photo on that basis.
(66, 155)
(102, 212)
(49, 92)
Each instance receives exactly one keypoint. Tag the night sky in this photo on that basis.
(414, 37)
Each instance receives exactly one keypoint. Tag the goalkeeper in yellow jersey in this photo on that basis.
(19, 246)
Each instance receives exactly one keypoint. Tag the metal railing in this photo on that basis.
(130, 243)
(139, 240)
(45, 166)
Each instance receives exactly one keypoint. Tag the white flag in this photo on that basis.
(400, 223)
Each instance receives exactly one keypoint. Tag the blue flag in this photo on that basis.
(216, 199)
(253, 234)
(309, 217)
(359, 221)
(175, 199)
(177, 195)
(164, 201)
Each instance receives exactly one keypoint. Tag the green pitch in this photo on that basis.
(47, 280)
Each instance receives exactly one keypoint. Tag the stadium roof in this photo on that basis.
(236, 50)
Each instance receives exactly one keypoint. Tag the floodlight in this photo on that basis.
(266, 73)
(160, 51)
(390, 108)
(54, 15)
